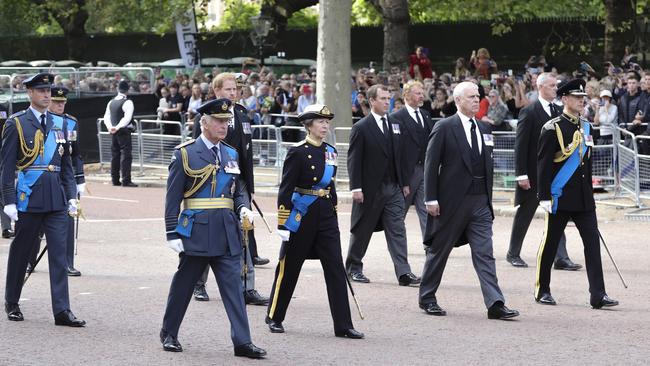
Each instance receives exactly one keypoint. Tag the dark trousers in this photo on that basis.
(588, 227)
(387, 206)
(69, 244)
(27, 227)
(226, 270)
(521, 223)
(5, 221)
(474, 219)
(121, 156)
(318, 236)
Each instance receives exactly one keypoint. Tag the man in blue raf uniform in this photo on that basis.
(59, 99)
(203, 176)
(566, 193)
(35, 143)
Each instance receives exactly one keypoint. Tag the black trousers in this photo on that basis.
(318, 236)
(520, 225)
(122, 158)
(588, 227)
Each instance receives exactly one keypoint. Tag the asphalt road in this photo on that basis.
(127, 270)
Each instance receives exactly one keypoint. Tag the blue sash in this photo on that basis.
(301, 202)
(26, 179)
(567, 170)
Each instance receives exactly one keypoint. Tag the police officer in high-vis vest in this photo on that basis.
(566, 193)
(35, 143)
(59, 99)
(203, 179)
(308, 225)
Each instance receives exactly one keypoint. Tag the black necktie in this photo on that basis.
(385, 125)
(43, 125)
(475, 150)
(417, 118)
(215, 149)
(553, 109)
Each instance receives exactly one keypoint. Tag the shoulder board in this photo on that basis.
(70, 117)
(228, 146)
(300, 143)
(186, 143)
(550, 125)
(237, 104)
(17, 114)
(55, 114)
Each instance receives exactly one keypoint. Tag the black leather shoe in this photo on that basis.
(129, 184)
(605, 301)
(171, 344)
(72, 272)
(8, 233)
(567, 265)
(545, 299)
(409, 279)
(500, 311)
(259, 261)
(432, 308)
(275, 327)
(68, 319)
(359, 277)
(249, 350)
(252, 297)
(517, 262)
(349, 333)
(13, 312)
(200, 294)
(117, 184)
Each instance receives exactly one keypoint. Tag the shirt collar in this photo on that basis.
(377, 117)
(410, 109)
(545, 103)
(207, 142)
(122, 95)
(463, 118)
(37, 113)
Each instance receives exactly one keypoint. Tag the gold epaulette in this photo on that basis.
(550, 125)
(283, 215)
(29, 154)
(186, 143)
(200, 176)
(71, 117)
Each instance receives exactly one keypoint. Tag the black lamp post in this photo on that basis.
(261, 28)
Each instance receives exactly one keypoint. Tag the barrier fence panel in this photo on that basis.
(342, 136)
(628, 164)
(265, 154)
(602, 164)
(504, 161)
(644, 167)
(105, 140)
(288, 136)
(157, 141)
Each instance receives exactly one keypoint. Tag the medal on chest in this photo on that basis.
(330, 158)
(61, 150)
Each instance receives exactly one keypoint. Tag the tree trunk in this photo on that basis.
(619, 28)
(334, 61)
(396, 19)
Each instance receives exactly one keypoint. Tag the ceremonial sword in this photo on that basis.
(612, 259)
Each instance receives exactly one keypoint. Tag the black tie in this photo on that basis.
(215, 149)
(417, 118)
(43, 125)
(475, 150)
(553, 109)
(385, 125)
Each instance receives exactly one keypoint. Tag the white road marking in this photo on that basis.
(144, 288)
(23, 299)
(85, 293)
(110, 199)
(125, 220)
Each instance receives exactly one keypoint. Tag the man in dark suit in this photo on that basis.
(458, 187)
(531, 120)
(203, 177)
(417, 125)
(376, 184)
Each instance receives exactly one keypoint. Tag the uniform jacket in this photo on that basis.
(215, 232)
(75, 156)
(367, 155)
(577, 194)
(414, 140)
(448, 171)
(53, 189)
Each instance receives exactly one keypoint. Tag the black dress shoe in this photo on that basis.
(259, 261)
(567, 265)
(13, 312)
(545, 299)
(252, 297)
(129, 184)
(8, 233)
(171, 344)
(409, 279)
(275, 327)
(359, 277)
(249, 350)
(72, 272)
(200, 294)
(517, 262)
(349, 333)
(117, 184)
(68, 319)
(432, 308)
(605, 301)
(500, 311)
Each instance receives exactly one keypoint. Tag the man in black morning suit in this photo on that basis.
(376, 184)
(531, 120)
(458, 173)
(416, 126)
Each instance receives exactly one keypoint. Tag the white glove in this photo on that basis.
(545, 205)
(72, 207)
(81, 189)
(176, 245)
(244, 212)
(11, 211)
(284, 234)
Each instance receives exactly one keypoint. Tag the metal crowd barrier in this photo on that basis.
(105, 139)
(503, 156)
(157, 141)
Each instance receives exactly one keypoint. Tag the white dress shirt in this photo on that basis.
(210, 145)
(412, 114)
(547, 108)
(38, 114)
(127, 108)
(381, 128)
